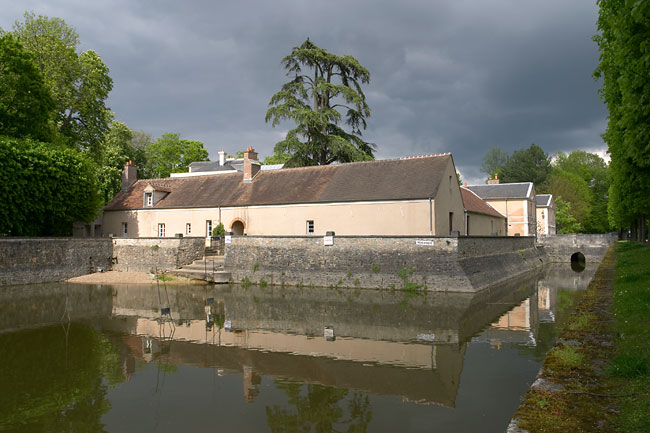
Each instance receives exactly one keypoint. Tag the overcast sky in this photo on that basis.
(446, 76)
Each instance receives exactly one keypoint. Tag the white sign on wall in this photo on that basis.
(328, 240)
(227, 239)
(427, 243)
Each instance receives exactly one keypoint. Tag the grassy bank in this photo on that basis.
(597, 376)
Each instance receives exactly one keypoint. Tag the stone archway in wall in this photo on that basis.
(237, 226)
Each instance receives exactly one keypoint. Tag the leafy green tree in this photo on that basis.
(119, 147)
(317, 99)
(624, 57)
(565, 222)
(574, 191)
(527, 165)
(493, 161)
(26, 105)
(276, 158)
(169, 154)
(588, 175)
(44, 188)
(79, 83)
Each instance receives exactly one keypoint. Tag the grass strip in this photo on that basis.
(597, 376)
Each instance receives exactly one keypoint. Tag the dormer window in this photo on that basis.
(148, 199)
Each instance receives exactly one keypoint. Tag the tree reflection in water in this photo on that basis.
(52, 379)
(322, 409)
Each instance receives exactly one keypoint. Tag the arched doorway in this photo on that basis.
(237, 227)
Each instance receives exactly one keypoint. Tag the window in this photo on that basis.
(125, 229)
(188, 229)
(161, 230)
(148, 197)
(208, 227)
(310, 227)
(451, 222)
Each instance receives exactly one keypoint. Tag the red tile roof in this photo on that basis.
(394, 179)
(474, 203)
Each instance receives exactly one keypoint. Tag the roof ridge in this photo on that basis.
(435, 155)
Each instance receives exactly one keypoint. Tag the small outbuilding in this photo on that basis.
(481, 218)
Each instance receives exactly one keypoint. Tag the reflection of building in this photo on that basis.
(251, 383)
(519, 325)
(547, 302)
(381, 347)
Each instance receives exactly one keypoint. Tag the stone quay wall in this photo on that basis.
(406, 262)
(559, 248)
(39, 260)
(148, 254)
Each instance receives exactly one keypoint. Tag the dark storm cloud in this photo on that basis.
(457, 76)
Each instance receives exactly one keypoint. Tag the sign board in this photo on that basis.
(328, 240)
(328, 333)
(228, 325)
(227, 239)
(427, 243)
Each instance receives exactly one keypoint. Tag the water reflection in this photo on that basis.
(327, 354)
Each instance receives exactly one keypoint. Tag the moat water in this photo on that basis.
(138, 358)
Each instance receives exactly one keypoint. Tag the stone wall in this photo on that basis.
(37, 260)
(559, 248)
(147, 254)
(431, 263)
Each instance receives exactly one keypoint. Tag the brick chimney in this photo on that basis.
(129, 175)
(251, 164)
(494, 181)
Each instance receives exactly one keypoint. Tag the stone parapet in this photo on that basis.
(38, 260)
(560, 248)
(148, 254)
(406, 262)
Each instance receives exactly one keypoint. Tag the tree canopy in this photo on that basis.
(171, 154)
(493, 162)
(325, 90)
(79, 83)
(527, 165)
(624, 58)
(26, 105)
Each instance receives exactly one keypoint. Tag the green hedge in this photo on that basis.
(44, 188)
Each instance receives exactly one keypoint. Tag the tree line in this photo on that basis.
(61, 149)
(624, 32)
(578, 181)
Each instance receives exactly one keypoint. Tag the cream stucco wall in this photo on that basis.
(361, 218)
(485, 225)
(448, 199)
(521, 215)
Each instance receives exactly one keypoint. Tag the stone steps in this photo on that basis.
(208, 268)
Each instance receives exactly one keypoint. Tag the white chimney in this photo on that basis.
(222, 157)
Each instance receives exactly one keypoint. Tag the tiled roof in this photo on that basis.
(199, 166)
(502, 191)
(394, 179)
(475, 204)
(544, 199)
